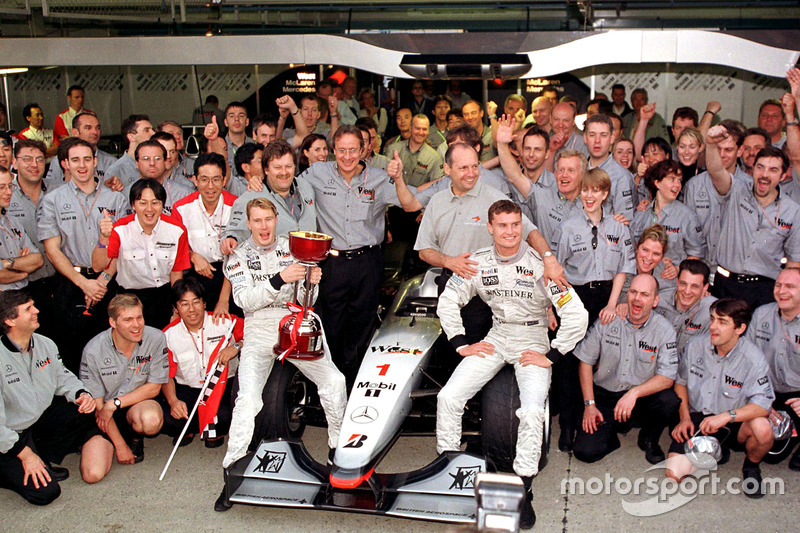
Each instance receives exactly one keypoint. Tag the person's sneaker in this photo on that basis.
(216, 442)
(726, 456)
(652, 451)
(223, 503)
(751, 481)
(137, 448)
(527, 516)
(794, 462)
(185, 441)
(58, 473)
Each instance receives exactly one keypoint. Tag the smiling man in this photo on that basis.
(759, 224)
(123, 368)
(636, 362)
(687, 306)
(512, 285)
(723, 383)
(598, 136)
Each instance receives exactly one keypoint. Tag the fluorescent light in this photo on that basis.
(17, 70)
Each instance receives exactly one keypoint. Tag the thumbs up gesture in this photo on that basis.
(106, 225)
(395, 167)
(211, 130)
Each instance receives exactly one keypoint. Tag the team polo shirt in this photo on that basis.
(125, 169)
(421, 166)
(453, 225)
(720, 383)
(75, 216)
(620, 197)
(145, 261)
(754, 239)
(108, 373)
(694, 321)
(352, 213)
(23, 211)
(205, 231)
(627, 356)
(684, 231)
(779, 339)
(190, 351)
(12, 240)
(489, 177)
(583, 262)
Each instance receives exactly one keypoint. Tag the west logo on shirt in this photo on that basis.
(672, 229)
(732, 382)
(367, 194)
(43, 363)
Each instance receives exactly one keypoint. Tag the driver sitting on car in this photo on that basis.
(262, 273)
(510, 280)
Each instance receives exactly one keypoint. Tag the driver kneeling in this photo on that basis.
(510, 280)
(261, 271)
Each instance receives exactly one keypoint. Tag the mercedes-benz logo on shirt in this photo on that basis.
(364, 415)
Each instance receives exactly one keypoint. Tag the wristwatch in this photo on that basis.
(587, 403)
(117, 403)
(733, 415)
(106, 276)
(793, 123)
(238, 346)
(296, 112)
(547, 254)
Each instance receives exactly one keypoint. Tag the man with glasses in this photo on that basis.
(19, 257)
(151, 158)
(205, 215)
(351, 200)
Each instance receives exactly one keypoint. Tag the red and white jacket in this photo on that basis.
(145, 261)
(205, 231)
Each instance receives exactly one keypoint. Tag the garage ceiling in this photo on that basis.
(35, 18)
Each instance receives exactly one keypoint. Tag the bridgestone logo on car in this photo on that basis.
(380, 385)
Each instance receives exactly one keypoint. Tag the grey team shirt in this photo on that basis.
(108, 373)
(352, 213)
(629, 356)
(779, 340)
(74, 216)
(29, 383)
(453, 225)
(687, 324)
(718, 384)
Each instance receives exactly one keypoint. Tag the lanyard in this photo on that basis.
(773, 223)
(13, 234)
(87, 212)
(215, 228)
(349, 188)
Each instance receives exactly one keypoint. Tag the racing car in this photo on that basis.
(394, 393)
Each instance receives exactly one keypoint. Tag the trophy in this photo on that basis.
(300, 332)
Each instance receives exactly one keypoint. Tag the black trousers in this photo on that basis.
(594, 299)
(76, 325)
(651, 413)
(43, 293)
(755, 293)
(348, 306)
(783, 449)
(156, 302)
(60, 430)
(188, 395)
(212, 287)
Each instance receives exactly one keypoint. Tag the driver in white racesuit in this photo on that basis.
(510, 280)
(262, 271)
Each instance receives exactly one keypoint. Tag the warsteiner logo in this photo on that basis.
(270, 462)
(464, 477)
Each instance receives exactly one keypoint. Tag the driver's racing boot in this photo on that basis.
(527, 516)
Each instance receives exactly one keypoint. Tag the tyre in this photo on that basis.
(285, 396)
(499, 422)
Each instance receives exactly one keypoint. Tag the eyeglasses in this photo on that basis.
(216, 180)
(9, 187)
(28, 159)
(154, 159)
(348, 151)
(594, 237)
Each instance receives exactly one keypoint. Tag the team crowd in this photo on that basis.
(638, 274)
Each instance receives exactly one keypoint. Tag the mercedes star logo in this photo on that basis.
(364, 415)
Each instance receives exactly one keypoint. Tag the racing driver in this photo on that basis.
(262, 273)
(510, 280)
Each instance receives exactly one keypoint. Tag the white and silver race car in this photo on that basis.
(395, 392)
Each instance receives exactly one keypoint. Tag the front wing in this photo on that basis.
(282, 473)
